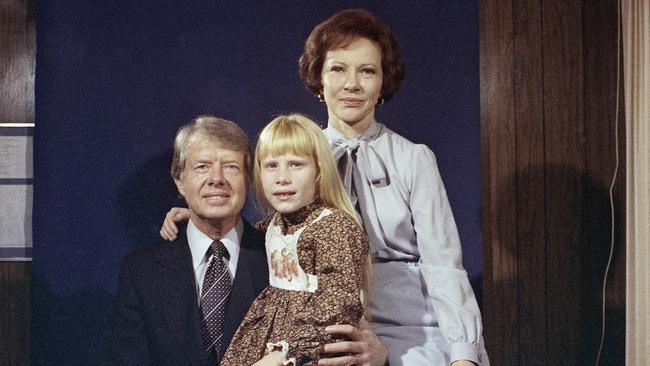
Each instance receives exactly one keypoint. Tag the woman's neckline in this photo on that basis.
(350, 131)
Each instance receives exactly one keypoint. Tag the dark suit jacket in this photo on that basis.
(156, 318)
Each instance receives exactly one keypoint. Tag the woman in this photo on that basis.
(423, 307)
(422, 304)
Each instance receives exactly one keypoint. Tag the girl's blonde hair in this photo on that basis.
(298, 135)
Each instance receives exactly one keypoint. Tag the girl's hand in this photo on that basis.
(169, 230)
(274, 358)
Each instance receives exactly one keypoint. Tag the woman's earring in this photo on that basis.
(380, 101)
(320, 98)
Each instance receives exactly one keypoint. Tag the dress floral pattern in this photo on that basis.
(283, 265)
(333, 250)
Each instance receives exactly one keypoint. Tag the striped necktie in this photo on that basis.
(214, 297)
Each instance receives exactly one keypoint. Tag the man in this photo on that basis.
(162, 313)
(159, 315)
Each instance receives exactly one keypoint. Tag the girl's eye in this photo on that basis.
(270, 165)
(296, 164)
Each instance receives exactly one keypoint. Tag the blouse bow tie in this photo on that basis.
(361, 167)
(360, 154)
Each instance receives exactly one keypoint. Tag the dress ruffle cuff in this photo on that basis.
(284, 347)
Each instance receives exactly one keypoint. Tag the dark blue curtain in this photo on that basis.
(114, 81)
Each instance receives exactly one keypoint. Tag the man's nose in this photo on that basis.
(216, 175)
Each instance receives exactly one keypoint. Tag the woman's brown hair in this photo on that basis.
(342, 29)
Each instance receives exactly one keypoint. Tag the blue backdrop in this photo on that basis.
(115, 80)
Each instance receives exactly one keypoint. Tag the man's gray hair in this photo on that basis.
(222, 131)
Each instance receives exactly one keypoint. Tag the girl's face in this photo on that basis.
(289, 181)
(352, 79)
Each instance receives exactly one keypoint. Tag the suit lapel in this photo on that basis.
(250, 280)
(179, 304)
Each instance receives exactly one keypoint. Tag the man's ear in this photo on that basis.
(179, 185)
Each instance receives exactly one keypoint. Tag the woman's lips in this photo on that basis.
(353, 102)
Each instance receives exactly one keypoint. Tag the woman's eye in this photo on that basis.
(336, 68)
(369, 71)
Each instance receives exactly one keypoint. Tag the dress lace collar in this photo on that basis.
(291, 222)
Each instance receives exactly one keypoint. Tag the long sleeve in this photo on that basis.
(129, 344)
(441, 258)
(413, 238)
(339, 250)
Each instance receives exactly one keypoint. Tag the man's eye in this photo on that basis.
(232, 167)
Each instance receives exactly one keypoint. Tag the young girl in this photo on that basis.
(316, 251)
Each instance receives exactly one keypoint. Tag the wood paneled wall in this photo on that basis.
(17, 60)
(15, 312)
(548, 111)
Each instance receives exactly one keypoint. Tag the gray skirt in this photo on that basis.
(404, 318)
